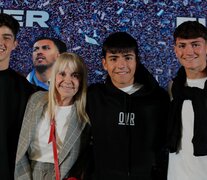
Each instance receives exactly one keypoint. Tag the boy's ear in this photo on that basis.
(175, 51)
(15, 44)
(104, 64)
(206, 49)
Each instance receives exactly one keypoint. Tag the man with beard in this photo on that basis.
(45, 52)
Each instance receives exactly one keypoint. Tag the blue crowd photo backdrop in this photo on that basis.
(83, 26)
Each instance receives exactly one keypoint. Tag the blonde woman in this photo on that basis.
(64, 107)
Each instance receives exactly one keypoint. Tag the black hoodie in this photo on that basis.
(129, 130)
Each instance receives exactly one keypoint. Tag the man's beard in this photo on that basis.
(41, 68)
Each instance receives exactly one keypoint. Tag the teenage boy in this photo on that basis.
(188, 115)
(14, 93)
(128, 115)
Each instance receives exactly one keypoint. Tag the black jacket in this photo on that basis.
(14, 93)
(129, 130)
(198, 97)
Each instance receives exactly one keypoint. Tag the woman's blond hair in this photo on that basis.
(75, 64)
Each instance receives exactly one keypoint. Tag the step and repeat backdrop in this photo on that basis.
(83, 25)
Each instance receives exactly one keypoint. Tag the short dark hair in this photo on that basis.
(61, 46)
(10, 22)
(189, 30)
(120, 42)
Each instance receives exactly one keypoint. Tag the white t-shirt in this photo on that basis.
(132, 88)
(184, 165)
(39, 149)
